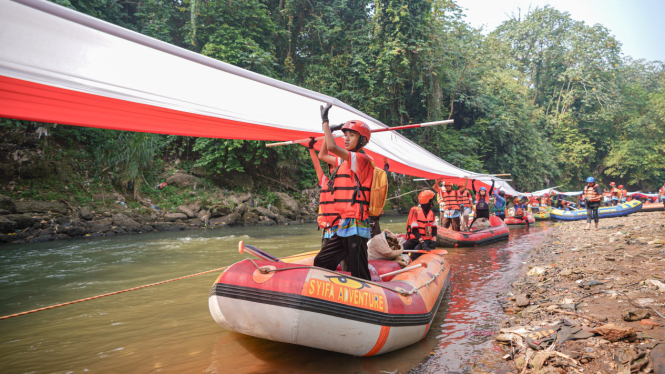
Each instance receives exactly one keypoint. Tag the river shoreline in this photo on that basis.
(599, 291)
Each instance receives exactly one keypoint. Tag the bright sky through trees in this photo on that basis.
(638, 24)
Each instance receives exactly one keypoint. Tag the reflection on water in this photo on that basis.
(168, 328)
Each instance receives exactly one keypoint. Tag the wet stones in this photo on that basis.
(614, 333)
(634, 314)
(522, 300)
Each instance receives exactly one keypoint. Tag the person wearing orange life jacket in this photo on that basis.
(328, 218)
(350, 184)
(623, 193)
(421, 225)
(592, 195)
(535, 204)
(545, 200)
(607, 197)
(661, 194)
(465, 205)
(615, 193)
(449, 204)
(481, 208)
(520, 208)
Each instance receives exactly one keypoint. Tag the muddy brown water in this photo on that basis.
(168, 328)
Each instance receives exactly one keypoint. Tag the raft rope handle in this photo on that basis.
(118, 292)
(267, 270)
(108, 294)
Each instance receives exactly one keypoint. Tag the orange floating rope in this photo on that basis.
(108, 294)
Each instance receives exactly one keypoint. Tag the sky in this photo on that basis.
(638, 24)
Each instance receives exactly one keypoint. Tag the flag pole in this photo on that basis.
(405, 127)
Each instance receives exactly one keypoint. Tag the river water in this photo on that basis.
(168, 328)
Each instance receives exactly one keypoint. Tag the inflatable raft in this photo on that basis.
(515, 222)
(653, 207)
(496, 232)
(295, 302)
(543, 216)
(603, 212)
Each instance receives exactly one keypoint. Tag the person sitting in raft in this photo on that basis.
(482, 207)
(535, 204)
(351, 184)
(615, 192)
(421, 225)
(623, 193)
(328, 218)
(520, 210)
(580, 200)
(545, 201)
(607, 197)
(465, 205)
(499, 207)
(449, 205)
(592, 195)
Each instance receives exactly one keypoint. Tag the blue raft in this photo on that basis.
(603, 212)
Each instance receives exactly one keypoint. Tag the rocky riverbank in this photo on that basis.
(588, 302)
(109, 214)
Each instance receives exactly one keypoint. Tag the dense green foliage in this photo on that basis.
(544, 97)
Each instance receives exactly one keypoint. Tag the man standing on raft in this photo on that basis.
(449, 205)
(592, 196)
(350, 185)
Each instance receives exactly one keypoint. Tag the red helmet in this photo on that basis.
(612, 184)
(448, 183)
(621, 186)
(425, 196)
(359, 126)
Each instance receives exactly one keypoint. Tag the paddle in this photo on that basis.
(307, 140)
(441, 251)
(256, 252)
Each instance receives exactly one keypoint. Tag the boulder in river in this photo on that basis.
(172, 217)
(41, 207)
(287, 205)
(250, 219)
(7, 204)
(186, 211)
(7, 225)
(86, 213)
(232, 219)
(126, 222)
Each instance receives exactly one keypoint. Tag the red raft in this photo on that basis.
(513, 221)
(496, 232)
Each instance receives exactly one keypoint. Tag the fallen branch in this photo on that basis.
(577, 315)
(282, 183)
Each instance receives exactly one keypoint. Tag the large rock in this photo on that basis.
(287, 205)
(102, 225)
(634, 314)
(22, 220)
(195, 206)
(7, 204)
(186, 211)
(265, 212)
(125, 222)
(233, 219)
(172, 217)
(86, 213)
(522, 300)
(41, 207)
(220, 210)
(181, 180)
(7, 225)
(250, 219)
(615, 333)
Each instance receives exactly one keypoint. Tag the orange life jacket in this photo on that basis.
(615, 192)
(465, 198)
(545, 200)
(449, 199)
(624, 192)
(424, 223)
(534, 201)
(350, 194)
(328, 217)
(661, 191)
(590, 192)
